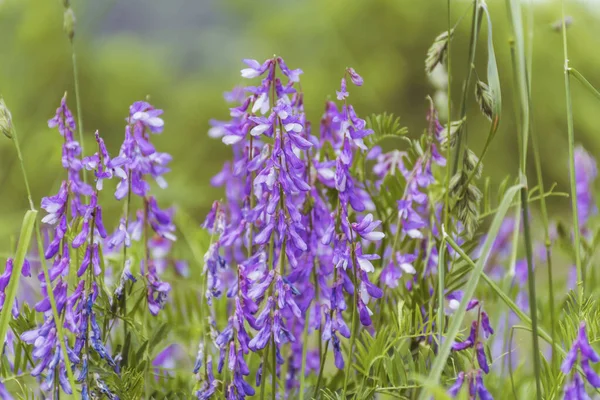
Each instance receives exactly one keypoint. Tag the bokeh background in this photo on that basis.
(185, 53)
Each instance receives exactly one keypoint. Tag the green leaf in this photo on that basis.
(469, 291)
(159, 335)
(11, 291)
(492, 75)
(140, 356)
(585, 82)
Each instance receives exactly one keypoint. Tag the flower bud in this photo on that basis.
(5, 120)
(69, 23)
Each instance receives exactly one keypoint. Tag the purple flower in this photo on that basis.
(580, 344)
(481, 389)
(366, 228)
(6, 276)
(586, 173)
(576, 389)
(157, 293)
(485, 324)
(455, 388)
(337, 352)
(355, 77)
(481, 358)
(209, 384)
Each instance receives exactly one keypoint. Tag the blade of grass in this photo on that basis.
(11, 291)
(461, 138)
(494, 87)
(584, 81)
(519, 63)
(469, 291)
(441, 278)
(571, 141)
(505, 298)
(540, 179)
(40, 244)
(55, 314)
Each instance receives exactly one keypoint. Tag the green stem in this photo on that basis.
(571, 138)
(522, 83)
(448, 147)
(251, 233)
(264, 372)
(55, 314)
(461, 137)
(127, 205)
(305, 332)
(353, 329)
(78, 102)
(441, 278)
(304, 353)
(321, 368)
(88, 290)
(266, 353)
(23, 171)
(548, 244)
(274, 371)
(532, 295)
(585, 82)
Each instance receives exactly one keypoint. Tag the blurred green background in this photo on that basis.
(185, 53)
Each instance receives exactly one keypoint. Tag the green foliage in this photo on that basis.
(13, 285)
(393, 362)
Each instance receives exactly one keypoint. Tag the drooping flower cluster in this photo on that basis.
(414, 208)
(76, 245)
(138, 161)
(480, 330)
(581, 346)
(73, 209)
(279, 172)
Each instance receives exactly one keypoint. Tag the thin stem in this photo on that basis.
(40, 243)
(88, 289)
(304, 353)
(251, 233)
(22, 163)
(522, 83)
(532, 295)
(274, 371)
(571, 141)
(353, 329)
(266, 353)
(263, 378)
(55, 314)
(540, 179)
(127, 205)
(448, 147)
(321, 368)
(78, 103)
(585, 82)
(461, 138)
(441, 277)
(305, 332)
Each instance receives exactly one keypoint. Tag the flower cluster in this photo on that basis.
(78, 242)
(277, 233)
(581, 345)
(480, 330)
